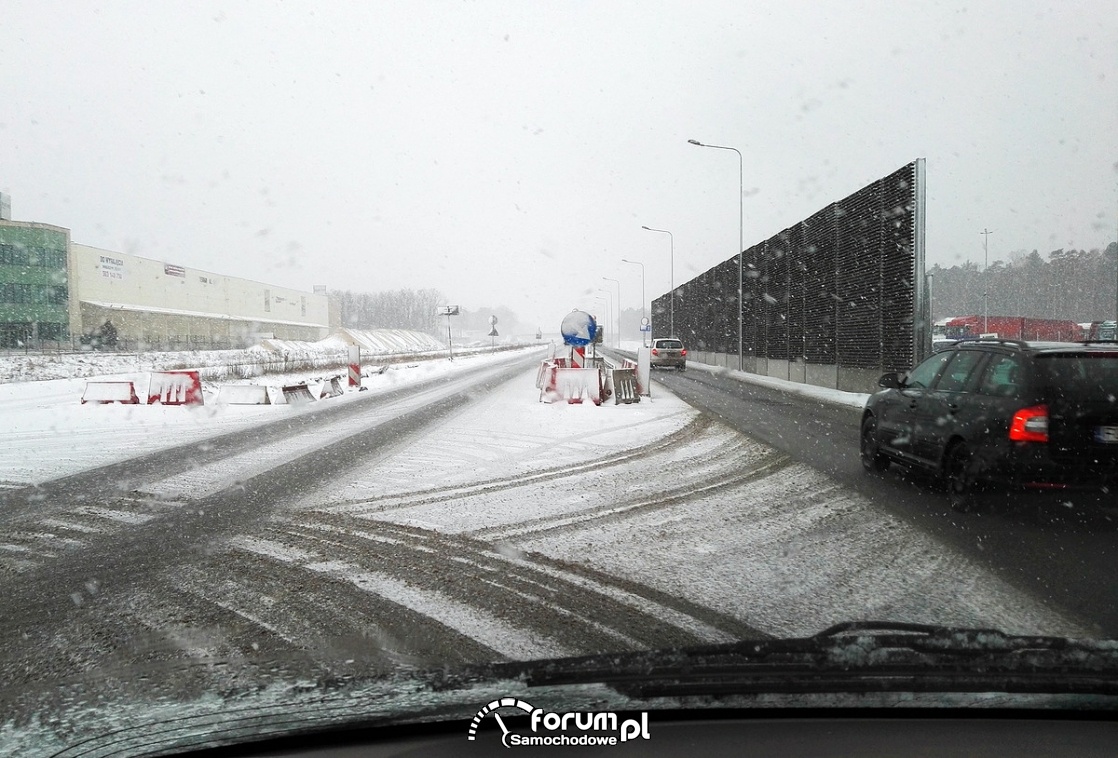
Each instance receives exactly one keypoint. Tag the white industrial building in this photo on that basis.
(159, 305)
(55, 293)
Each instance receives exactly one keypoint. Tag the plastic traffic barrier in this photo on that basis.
(557, 382)
(243, 394)
(625, 386)
(640, 373)
(297, 393)
(175, 388)
(110, 392)
(331, 387)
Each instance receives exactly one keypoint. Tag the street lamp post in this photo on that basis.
(741, 239)
(671, 276)
(617, 310)
(607, 301)
(644, 314)
(986, 280)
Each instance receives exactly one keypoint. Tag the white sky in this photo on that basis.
(508, 153)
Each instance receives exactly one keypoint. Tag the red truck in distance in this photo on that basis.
(1013, 328)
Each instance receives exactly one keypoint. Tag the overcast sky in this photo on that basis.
(508, 153)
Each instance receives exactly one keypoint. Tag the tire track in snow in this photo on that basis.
(125, 555)
(771, 464)
(513, 616)
(588, 610)
(692, 430)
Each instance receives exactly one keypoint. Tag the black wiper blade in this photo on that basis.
(899, 626)
(853, 657)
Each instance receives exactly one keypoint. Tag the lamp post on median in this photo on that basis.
(606, 302)
(617, 310)
(671, 277)
(986, 280)
(610, 310)
(741, 238)
(644, 314)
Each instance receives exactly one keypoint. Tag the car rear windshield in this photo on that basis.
(669, 344)
(1091, 377)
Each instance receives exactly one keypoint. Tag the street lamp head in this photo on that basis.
(645, 227)
(696, 142)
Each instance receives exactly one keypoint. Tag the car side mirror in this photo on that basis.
(890, 381)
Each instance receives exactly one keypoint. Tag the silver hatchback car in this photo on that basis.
(668, 353)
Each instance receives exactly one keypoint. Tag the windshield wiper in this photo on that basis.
(852, 657)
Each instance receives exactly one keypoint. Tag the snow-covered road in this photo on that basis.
(507, 528)
(46, 433)
(662, 497)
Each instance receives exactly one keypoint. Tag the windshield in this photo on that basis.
(327, 329)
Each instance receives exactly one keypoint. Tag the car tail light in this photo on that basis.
(655, 351)
(683, 352)
(1030, 424)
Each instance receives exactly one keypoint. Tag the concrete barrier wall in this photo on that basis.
(858, 379)
(778, 369)
(820, 375)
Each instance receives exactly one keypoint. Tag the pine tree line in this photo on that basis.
(394, 309)
(1078, 285)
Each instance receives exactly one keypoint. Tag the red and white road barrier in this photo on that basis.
(557, 381)
(110, 392)
(175, 388)
(354, 365)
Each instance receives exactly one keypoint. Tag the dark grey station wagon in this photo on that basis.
(1034, 416)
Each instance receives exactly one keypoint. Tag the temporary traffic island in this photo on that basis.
(578, 376)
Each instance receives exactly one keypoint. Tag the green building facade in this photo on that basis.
(34, 291)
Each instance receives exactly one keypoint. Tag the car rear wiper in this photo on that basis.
(852, 657)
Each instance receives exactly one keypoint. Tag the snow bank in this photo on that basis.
(270, 357)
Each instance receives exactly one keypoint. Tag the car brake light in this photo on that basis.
(1030, 424)
(683, 352)
(655, 351)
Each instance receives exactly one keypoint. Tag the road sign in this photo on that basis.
(646, 327)
(446, 310)
(493, 332)
(492, 320)
(578, 328)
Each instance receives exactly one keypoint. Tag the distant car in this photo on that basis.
(668, 353)
(1036, 416)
